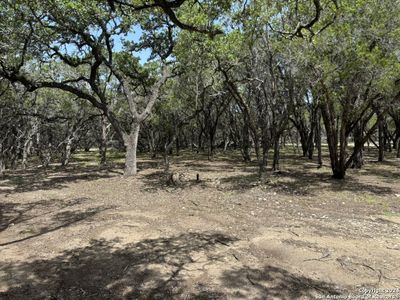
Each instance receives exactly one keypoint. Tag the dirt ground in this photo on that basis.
(82, 232)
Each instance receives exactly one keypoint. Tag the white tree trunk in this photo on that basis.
(131, 141)
(67, 154)
(25, 152)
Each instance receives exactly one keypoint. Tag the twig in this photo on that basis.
(249, 279)
(223, 243)
(194, 202)
(126, 268)
(321, 258)
(379, 272)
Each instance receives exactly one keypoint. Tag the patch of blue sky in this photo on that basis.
(118, 41)
(132, 36)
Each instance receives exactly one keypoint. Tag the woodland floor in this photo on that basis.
(82, 232)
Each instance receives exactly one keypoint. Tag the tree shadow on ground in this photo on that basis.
(161, 180)
(53, 177)
(150, 269)
(387, 175)
(274, 283)
(297, 182)
(34, 220)
(218, 166)
(12, 213)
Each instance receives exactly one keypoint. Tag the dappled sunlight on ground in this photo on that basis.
(84, 232)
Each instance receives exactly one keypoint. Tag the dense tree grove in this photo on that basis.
(159, 76)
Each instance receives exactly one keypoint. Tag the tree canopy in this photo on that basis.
(242, 74)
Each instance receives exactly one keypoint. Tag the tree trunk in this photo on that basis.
(200, 141)
(265, 157)
(152, 144)
(2, 166)
(103, 142)
(275, 164)
(358, 138)
(396, 142)
(304, 142)
(67, 152)
(226, 143)
(311, 136)
(381, 139)
(339, 172)
(131, 142)
(177, 145)
(38, 143)
(211, 146)
(398, 148)
(167, 149)
(337, 165)
(25, 152)
(246, 141)
(45, 155)
(318, 142)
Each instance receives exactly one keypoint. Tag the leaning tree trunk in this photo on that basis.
(131, 142)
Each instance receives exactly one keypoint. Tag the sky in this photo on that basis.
(134, 36)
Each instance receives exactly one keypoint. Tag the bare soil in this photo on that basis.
(82, 232)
